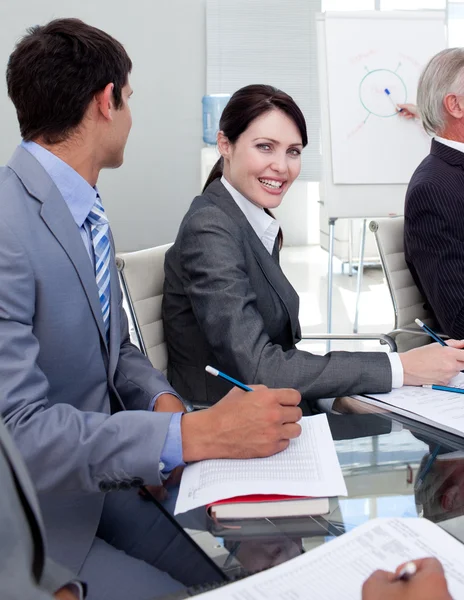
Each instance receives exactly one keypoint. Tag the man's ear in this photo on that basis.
(223, 144)
(453, 104)
(105, 101)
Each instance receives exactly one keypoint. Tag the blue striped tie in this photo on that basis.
(99, 230)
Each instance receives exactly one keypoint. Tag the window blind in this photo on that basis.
(272, 42)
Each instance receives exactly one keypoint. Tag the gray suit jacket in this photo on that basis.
(227, 303)
(24, 571)
(62, 390)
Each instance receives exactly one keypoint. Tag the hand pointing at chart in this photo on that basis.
(408, 111)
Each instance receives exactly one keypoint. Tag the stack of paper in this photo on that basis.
(444, 410)
(308, 467)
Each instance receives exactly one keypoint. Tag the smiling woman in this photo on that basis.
(260, 129)
(227, 302)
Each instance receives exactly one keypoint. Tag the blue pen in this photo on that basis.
(427, 467)
(216, 373)
(430, 332)
(444, 388)
(387, 91)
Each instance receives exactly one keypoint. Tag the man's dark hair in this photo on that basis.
(55, 71)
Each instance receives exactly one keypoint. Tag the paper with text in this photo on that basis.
(441, 409)
(308, 467)
(338, 569)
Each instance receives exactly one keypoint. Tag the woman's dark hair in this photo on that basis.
(246, 105)
(55, 71)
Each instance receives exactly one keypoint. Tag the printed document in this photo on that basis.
(308, 467)
(337, 570)
(433, 407)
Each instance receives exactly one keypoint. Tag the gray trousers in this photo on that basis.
(138, 554)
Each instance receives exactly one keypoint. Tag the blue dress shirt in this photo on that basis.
(80, 196)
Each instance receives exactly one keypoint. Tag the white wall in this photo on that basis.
(147, 197)
(298, 215)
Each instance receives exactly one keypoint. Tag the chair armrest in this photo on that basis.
(413, 331)
(382, 337)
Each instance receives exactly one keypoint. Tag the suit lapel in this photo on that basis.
(269, 264)
(58, 219)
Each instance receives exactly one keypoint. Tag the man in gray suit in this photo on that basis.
(25, 571)
(87, 410)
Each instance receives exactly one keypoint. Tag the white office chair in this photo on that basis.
(408, 302)
(142, 278)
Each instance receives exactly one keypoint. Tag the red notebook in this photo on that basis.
(267, 506)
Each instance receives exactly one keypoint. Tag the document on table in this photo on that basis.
(308, 467)
(433, 407)
(338, 568)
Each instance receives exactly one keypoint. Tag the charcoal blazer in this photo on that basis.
(434, 235)
(227, 303)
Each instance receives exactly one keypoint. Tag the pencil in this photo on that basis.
(217, 373)
(430, 332)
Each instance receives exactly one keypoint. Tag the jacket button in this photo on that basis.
(105, 486)
(136, 482)
(161, 465)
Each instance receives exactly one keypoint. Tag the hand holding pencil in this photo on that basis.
(433, 363)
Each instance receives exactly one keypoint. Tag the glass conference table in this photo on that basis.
(382, 456)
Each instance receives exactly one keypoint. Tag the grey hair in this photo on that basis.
(444, 74)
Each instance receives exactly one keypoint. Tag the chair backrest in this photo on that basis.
(408, 302)
(142, 278)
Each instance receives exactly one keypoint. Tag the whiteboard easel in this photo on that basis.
(374, 193)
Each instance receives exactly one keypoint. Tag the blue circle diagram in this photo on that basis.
(374, 97)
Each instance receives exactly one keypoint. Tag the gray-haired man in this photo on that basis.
(434, 211)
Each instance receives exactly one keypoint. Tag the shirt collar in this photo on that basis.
(78, 194)
(265, 227)
(451, 143)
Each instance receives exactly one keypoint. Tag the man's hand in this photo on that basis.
(408, 111)
(168, 403)
(433, 363)
(428, 583)
(242, 425)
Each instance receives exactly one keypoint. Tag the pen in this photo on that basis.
(216, 373)
(430, 332)
(444, 388)
(426, 469)
(387, 91)
(406, 572)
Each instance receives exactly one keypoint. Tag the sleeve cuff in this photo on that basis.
(151, 406)
(171, 454)
(397, 370)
